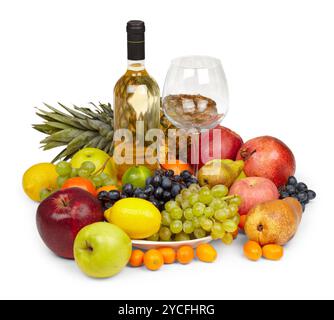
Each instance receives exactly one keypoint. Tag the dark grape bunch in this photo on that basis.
(298, 190)
(162, 187)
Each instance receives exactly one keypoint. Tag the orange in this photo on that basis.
(137, 258)
(177, 167)
(153, 259)
(252, 250)
(206, 252)
(168, 254)
(78, 182)
(273, 251)
(106, 188)
(185, 254)
(242, 221)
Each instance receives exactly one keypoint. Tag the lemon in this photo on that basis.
(38, 177)
(137, 217)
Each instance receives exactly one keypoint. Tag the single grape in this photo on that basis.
(158, 192)
(208, 212)
(196, 222)
(186, 194)
(236, 219)
(127, 188)
(230, 226)
(176, 213)
(170, 205)
(74, 172)
(108, 182)
(61, 180)
(188, 214)
(194, 197)
(154, 237)
(292, 180)
(227, 238)
(45, 193)
(218, 230)
(83, 173)
(199, 233)
(156, 181)
(217, 204)
(219, 191)
(165, 218)
(233, 209)
(166, 183)
(222, 214)
(185, 175)
(176, 226)
(165, 234)
(64, 168)
(104, 177)
(185, 204)
(235, 201)
(179, 198)
(311, 194)
(175, 190)
(206, 224)
(114, 195)
(97, 181)
(89, 166)
(182, 237)
(188, 227)
(195, 188)
(198, 209)
(205, 196)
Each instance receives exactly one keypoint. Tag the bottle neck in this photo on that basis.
(136, 65)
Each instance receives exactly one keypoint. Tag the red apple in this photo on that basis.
(268, 157)
(217, 143)
(253, 190)
(62, 215)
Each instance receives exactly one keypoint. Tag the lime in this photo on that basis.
(136, 176)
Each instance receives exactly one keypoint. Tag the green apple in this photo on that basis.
(100, 158)
(101, 250)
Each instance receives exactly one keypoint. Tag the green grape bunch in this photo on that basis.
(198, 212)
(87, 170)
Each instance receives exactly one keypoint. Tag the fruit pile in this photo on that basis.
(88, 206)
(158, 189)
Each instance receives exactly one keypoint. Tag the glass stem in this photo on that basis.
(195, 150)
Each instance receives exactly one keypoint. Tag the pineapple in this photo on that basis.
(80, 128)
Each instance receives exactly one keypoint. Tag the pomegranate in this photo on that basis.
(268, 157)
(217, 143)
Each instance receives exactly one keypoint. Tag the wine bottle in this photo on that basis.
(136, 95)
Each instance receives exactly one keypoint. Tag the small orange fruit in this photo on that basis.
(185, 254)
(168, 254)
(242, 221)
(137, 258)
(153, 259)
(273, 251)
(82, 183)
(252, 250)
(106, 188)
(206, 252)
(235, 234)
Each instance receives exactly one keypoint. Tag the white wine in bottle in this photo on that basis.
(136, 97)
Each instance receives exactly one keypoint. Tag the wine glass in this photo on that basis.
(195, 97)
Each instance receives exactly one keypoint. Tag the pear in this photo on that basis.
(220, 171)
(273, 222)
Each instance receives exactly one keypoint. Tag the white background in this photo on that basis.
(279, 61)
